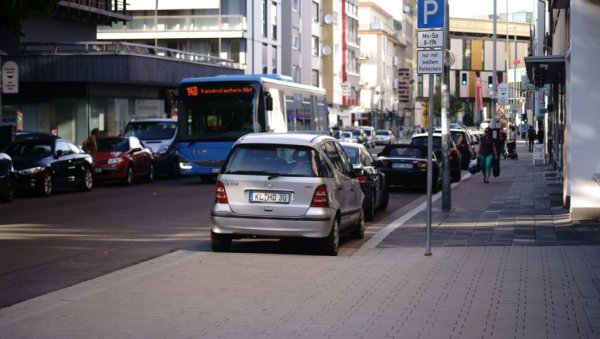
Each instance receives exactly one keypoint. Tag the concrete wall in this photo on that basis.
(583, 125)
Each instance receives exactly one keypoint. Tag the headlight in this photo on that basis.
(115, 161)
(31, 171)
(163, 149)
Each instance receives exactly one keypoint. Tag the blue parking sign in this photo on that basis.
(431, 14)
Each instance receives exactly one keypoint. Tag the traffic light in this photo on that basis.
(490, 81)
(463, 79)
(523, 117)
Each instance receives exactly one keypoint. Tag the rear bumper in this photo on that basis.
(316, 223)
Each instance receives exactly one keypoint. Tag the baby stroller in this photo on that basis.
(511, 151)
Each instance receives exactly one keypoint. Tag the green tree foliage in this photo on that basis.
(13, 12)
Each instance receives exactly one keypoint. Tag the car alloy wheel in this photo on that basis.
(129, 176)
(87, 181)
(45, 184)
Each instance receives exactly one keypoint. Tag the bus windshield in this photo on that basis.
(216, 116)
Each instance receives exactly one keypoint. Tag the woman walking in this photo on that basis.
(487, 154)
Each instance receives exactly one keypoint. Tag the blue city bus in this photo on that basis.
(213, 112)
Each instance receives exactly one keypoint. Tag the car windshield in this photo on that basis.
(367, 132)
(356, 132)
(29, 149)
(384, 133)
(280, 160)
(347, 135)
(151, 130)
(113, 145)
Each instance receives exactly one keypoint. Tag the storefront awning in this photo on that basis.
(545, 69)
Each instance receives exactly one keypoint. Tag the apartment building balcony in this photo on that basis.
(382, 28)
(176, 27)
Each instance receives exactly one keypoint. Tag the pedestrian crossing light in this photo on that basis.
(490, 81)
(463, 79)
(524, 118)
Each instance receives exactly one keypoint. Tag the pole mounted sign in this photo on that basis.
(431, 14)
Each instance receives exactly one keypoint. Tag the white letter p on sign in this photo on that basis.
(429, 10)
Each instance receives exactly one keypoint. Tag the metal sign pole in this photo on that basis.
(429, 165)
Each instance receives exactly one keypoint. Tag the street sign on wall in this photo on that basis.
(430, 14)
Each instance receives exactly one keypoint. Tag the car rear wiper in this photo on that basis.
(270, 174)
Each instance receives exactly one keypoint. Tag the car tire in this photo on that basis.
(11, 191)
(150, 176)
(331, 243)
(87, 180)
(385, 198)
(359, 232)
(128, 181)
(220, 242)
(46, 186)
(369, 206)
(174, 173)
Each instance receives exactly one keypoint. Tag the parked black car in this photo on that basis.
(44, 163)
(454, 154)
(8, 179)
(406, 165)
(465, 145)
(372, 179)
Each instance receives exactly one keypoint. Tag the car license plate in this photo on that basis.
(402, 165)
(98, 170)
(270, 197)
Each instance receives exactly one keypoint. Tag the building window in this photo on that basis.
(274, 20)
(315, 78)
(295, 38)
(296, 5)
(315, 11)
(315, 45)
(467, 54)
(274, 59)
(265, 22)
(265, 63)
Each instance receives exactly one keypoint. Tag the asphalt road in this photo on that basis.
(51, 243)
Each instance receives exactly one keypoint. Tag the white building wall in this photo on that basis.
(583, 118)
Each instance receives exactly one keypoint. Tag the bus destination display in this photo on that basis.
(194, 91)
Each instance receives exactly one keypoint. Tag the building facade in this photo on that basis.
(563, 73)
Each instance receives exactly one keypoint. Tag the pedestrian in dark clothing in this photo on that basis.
(487, 154)
(540, 135)
(531, 137)
(89, 144)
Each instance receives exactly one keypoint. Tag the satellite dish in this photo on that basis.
(328, 19)
(326, 51)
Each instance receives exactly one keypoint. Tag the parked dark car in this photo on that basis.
(124, 159)
(406, 165)
(372, 179)
(45, 163)
(465, 145)
(8, 179)
(453, 154)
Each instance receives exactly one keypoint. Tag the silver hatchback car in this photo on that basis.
(287, 185)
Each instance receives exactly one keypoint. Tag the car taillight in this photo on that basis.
(421, 164)
(220, 194)
(362, 179)
(320, 198)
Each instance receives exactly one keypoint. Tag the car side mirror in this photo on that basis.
(58, 154)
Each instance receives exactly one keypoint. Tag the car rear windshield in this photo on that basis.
(151, 130)
(281, 160)
(437, 142)
(112, 145)
(405, 152)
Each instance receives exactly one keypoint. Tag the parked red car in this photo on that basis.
(124, 159)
